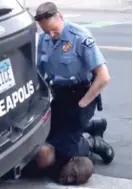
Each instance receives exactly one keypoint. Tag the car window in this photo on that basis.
(9, 8)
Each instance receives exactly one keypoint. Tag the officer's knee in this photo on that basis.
(45, 156)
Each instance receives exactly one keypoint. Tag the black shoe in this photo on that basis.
(96, 127)
(101, 148)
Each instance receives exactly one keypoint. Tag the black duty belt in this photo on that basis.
(78, 89)
(73, 88)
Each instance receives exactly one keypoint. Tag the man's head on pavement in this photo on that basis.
(77, 171)
(50, 19)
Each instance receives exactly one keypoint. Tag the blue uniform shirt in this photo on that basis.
(74, 54)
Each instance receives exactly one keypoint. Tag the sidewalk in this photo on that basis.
(95, 182)
(86, 5)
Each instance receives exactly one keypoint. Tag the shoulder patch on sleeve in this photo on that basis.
(88, 42)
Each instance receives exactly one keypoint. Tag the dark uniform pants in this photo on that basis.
(69, 122)
(67, 127)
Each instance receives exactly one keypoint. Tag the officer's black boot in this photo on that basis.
(101, 148)
(97, 127)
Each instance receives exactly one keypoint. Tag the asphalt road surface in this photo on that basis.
(117, 98)
(115, 42)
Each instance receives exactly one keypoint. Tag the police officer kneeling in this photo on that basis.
(68, 58)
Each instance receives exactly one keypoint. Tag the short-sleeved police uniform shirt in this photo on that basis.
(74, 54)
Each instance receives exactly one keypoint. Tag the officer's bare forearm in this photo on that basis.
(101, 80)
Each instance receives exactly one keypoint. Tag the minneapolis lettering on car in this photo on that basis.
(19, 96)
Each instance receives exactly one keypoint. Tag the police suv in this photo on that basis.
(24, 98)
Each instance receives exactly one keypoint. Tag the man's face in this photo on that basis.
(53, 26)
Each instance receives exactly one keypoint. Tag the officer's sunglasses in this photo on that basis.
(45, 15)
